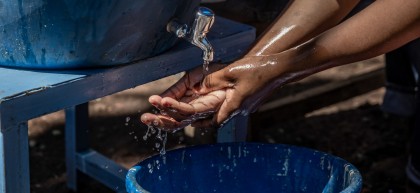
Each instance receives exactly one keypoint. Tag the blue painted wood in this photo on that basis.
(14, 159)
(26, 94)
(102, 169)
(81, 160)
(235, 130)
(77, 140)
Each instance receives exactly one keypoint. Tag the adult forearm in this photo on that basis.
(383, 26)
(380, 28)
(301, 21)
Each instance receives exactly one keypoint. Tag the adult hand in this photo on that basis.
(247, 82)
(239, 87)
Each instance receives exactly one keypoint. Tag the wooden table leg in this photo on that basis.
(77, 140)
(14, 158)
(234, 131)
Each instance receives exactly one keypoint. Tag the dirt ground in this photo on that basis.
(355, 129)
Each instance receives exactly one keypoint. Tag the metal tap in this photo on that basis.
(196, 34)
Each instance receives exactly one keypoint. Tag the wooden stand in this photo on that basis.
(26, 94)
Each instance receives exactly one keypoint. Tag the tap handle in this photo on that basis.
(204, 19)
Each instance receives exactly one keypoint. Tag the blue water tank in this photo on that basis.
(57, 34)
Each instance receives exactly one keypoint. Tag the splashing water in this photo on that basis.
(206, 67)
(150, 168)
(127, 119)
(152, 130)
(149, 129)
(165, 139)
(161, 136)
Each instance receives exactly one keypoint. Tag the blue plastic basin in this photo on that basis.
(244, 168)
(56, 34)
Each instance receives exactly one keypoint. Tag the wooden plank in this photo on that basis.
(102, 169)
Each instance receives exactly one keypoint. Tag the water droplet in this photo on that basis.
(165, 138)
(162, 151)
(206, 67)
(163, 112)
(56, 132)
(32, 143)
(147, 132)
(159, 135)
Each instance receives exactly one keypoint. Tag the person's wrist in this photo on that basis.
(295, 64)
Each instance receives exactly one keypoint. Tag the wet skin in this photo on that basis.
(305, 39)
(181, 105)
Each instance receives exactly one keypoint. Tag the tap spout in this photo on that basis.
(196, 34)
(204, 44)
